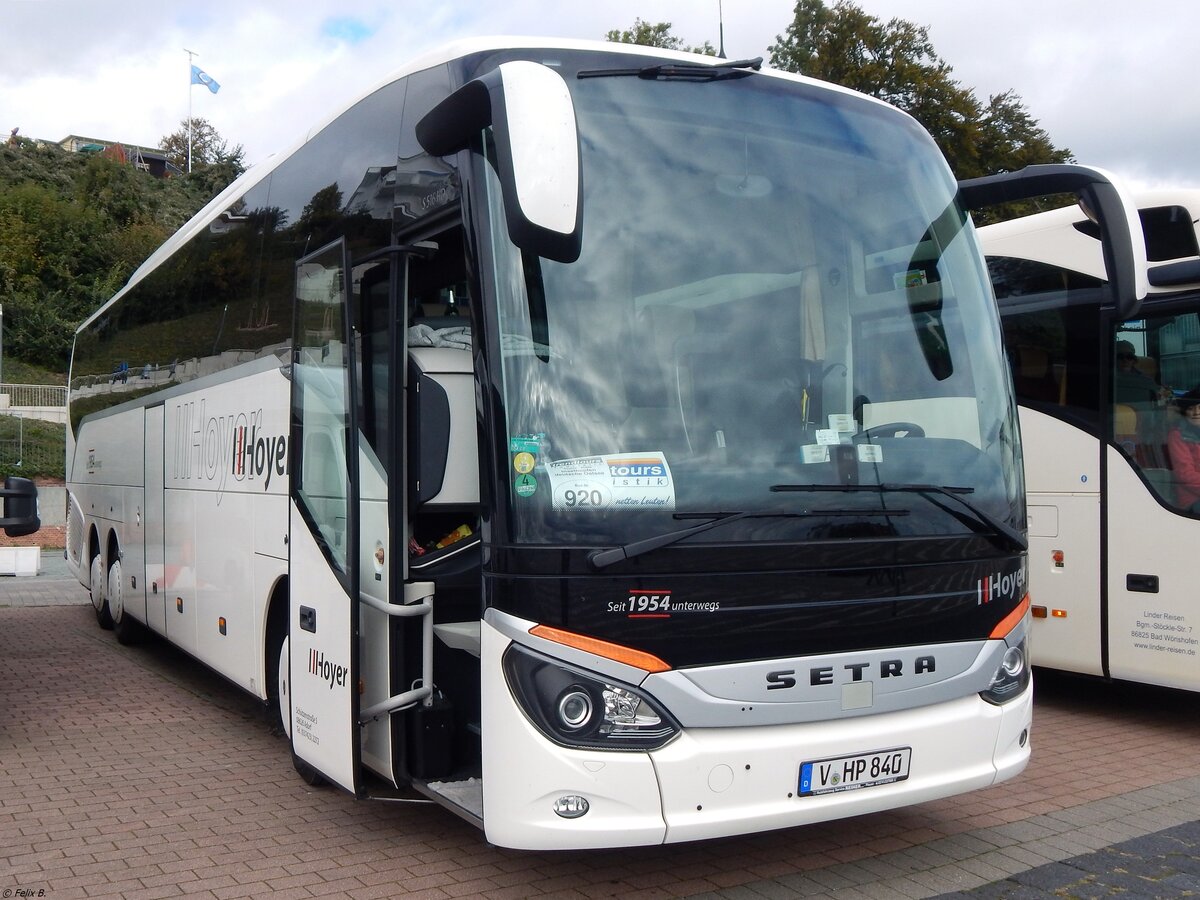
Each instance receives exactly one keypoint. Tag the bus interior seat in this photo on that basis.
(1033, 376)
(1125, 428)
(731, 399)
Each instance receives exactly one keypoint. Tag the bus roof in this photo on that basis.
(443, 54)
(1064, 239)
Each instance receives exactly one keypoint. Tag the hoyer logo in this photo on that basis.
(1000, 586)
(215, 448)
(326, 669)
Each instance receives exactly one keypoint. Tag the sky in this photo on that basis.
(1116, 82)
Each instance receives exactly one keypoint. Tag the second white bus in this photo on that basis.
(1103, 384)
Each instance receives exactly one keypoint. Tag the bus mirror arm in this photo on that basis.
(1101, 197)
(532, 118)
(21, 516)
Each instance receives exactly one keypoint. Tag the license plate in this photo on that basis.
(849, 773)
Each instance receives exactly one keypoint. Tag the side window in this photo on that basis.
(320, 400)
(1156, 403)
(1051, 337)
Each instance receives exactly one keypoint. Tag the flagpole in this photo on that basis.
(190, 53)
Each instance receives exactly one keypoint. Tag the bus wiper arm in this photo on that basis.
(1009, 536)
(603, 558)
(733, 68)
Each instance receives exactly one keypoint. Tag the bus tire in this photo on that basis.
(127, 629)
(96, 586)
(307, 773)
(283, 710)
(283, 691)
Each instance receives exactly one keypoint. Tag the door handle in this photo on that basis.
(308, 619)
(1145, 584)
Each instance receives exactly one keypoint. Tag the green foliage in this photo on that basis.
(658, 35)
(208, 149)
(896, 62)
(31, 448)
(72, 230)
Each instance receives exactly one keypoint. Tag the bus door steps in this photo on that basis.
(463, 797)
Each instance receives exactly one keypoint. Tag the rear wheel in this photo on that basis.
(99, 601)
(125, 627)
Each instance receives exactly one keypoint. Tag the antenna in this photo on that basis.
(721, 26)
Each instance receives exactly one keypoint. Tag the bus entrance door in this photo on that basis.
(323, 549)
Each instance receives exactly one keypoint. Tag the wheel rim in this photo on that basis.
(115, 605)
(285, 692)
(97, 583)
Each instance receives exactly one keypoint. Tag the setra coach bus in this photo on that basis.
(609, 444)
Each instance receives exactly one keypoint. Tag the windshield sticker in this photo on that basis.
(828, 436)
(910, 279)
(616, 480)
(842, 422)
(815, 453)
(526, 443)
(524, 449)
(871, 453)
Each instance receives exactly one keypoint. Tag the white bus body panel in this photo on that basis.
(152, 584)
(716, 782)
(324, 731)
(1062, 481)
(225, 479)
(1152, 637)
(202, 538)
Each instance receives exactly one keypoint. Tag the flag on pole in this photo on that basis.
(199, 76)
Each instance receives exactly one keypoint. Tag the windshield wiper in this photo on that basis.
(732, 69)
(602, 558)
(1007, 537)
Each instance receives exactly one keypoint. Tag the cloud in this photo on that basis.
(1113, 81)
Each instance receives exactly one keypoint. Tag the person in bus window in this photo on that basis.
(1131, 384)
(1184, 446)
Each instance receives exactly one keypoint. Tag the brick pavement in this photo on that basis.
(135, 772)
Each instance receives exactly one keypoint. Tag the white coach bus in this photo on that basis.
(1105, 380)
(614, 446)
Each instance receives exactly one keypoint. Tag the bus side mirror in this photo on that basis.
(529, 109)
(20, 506)
(1104, 201)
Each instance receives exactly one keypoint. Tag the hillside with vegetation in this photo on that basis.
(73, 228)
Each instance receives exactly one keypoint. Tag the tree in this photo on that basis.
(212, 157)
(659, 35)
(896, 62)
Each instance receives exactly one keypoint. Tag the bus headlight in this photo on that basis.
(1011, 676)
(576, 708)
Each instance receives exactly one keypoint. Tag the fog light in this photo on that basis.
(571, 806)
(1024, 737)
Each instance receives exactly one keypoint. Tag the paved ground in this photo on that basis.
(134, 772)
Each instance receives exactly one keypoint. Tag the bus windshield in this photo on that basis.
(776, 296)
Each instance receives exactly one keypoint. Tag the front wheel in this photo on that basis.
(283, 691)
(96, 586)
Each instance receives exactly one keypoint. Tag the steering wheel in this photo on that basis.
(894, 430)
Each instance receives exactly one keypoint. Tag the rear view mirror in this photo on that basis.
(21, 515)
(529, 109)
(1102, 199)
